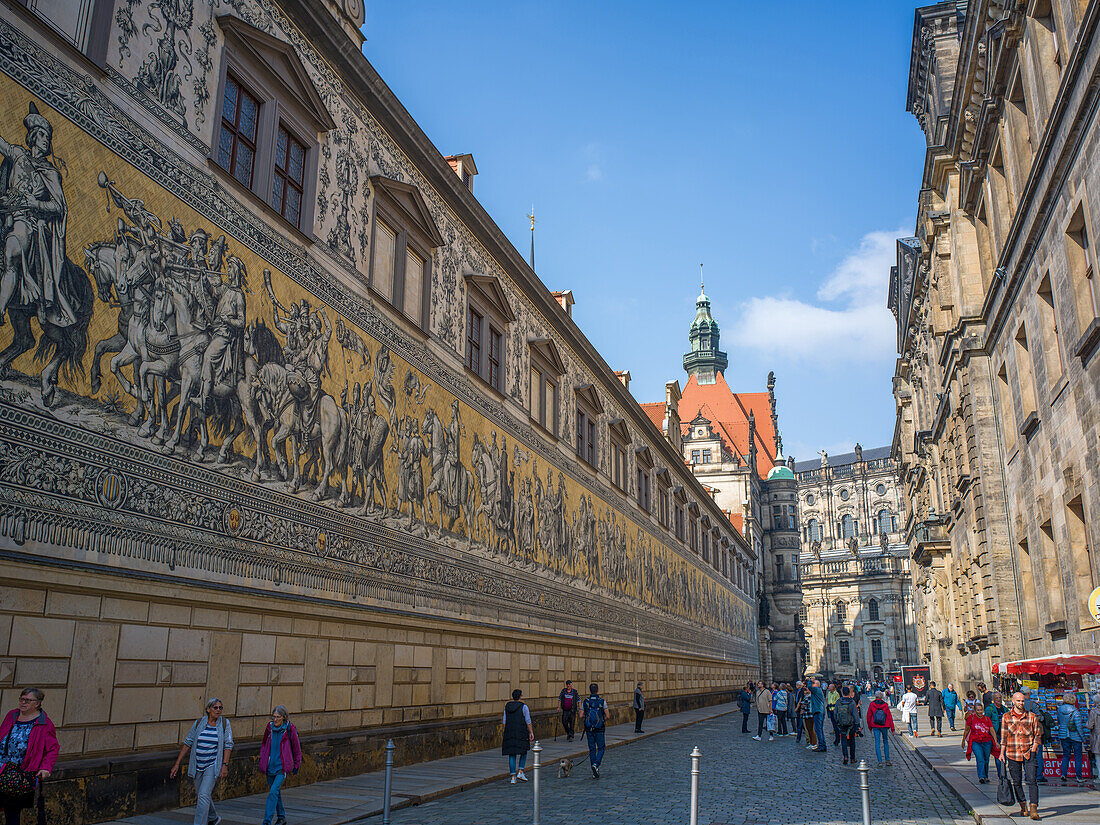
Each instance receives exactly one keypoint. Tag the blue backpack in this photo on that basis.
(593, 713)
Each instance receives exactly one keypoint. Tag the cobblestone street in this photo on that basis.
(743, 783)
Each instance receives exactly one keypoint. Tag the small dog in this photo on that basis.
(565, 766)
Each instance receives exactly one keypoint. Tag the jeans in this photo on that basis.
(595, 746)
(819, 732)
(913, 723)
(204, 792)
(981, 751)
(1019, 772)
(951, 717)
(639, 715)
(275, 797)
(848, 743)
(569, 721)
(1071, 747)
(797, 723)
(744, 721)
(512, 759)
(882, 743)
(935, 724)
(836, 730)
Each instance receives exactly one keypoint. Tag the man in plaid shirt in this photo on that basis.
(1021, 739)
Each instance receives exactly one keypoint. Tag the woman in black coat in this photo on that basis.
(518, 734)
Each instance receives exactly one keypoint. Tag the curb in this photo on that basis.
(409, 801)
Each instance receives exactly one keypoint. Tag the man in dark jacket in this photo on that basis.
(639, 708)
(569, 700)
(935, 709)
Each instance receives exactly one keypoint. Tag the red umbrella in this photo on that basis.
(1051, 665)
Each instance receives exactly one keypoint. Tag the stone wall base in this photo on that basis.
(98, 790)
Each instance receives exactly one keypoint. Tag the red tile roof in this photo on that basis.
(729, 413)
(656, 413)
(738, 521)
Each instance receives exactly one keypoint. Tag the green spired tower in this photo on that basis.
(705, 360)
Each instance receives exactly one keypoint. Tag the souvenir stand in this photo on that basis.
(1051, 677)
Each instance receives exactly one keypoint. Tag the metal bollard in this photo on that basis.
(537, 751)
(865, 790)
(390, 748)
(696, 755)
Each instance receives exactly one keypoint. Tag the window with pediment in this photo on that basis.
(547, 369)
(488, 314)
(588, 410)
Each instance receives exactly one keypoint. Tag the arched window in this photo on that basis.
(884, 522)
(872, 610)
(813, 530)
(841, 611)
(847, 526)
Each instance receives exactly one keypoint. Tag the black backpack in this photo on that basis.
(843, 714)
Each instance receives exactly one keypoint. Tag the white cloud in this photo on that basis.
(592, 154)
(593, 173)
(848, 321)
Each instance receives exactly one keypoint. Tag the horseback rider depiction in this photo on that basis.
(223, 358)
(34, 215)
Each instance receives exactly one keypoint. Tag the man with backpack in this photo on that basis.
(817, 710)
(881, 724)
(568, 701)
(595, 718)
(846, 718)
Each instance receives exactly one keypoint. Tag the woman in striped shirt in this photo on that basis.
(209, 742)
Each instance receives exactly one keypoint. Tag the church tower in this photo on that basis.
(705, 360)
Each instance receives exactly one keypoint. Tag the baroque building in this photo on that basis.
(285, 419)
(731, 442)
(857, 608)
(997, 379)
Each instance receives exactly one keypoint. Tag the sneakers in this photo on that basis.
(595, 771)
(512, 781)
(771, 738)
(845, 760)
(280, 820)
(756, 738)
(521, 776)
(887, 761)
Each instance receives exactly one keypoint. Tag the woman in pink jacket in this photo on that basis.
(28, 743)
(280, 754)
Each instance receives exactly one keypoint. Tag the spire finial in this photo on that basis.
(701, 278)
(531, 217)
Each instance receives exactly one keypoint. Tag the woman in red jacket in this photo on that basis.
(28, 743)
(881, 723)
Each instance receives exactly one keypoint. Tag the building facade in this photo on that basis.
(731, 442)
(285, 419)
(857, 614)
(997, 378)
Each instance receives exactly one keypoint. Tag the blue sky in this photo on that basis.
(767, 141)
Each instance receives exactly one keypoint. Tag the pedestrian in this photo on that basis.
(1073, 730)
(568, 701)
(1021, 738)
(280, 754)
(798, 725)
(985, 694)
(518, 735)
(995, 710)
(1094, 736)
(817, 708)
(595, 726)
(979, 741)
(881, 724)
(935, 709)
(29, 749)
(207, 747)
(744, 704)
(639, 708)
(908, 708)
(779, 708)
(832, 696)
(793, 722)
(763, 701)
(1049, 724)
(846, 714)
(950, 704)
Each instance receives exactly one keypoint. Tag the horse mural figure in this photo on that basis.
(37, 279)
(495, 485)
(242, 409)
(322, 430)
(452, 483)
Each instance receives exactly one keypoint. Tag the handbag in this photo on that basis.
(16, 787)
(1005, 794)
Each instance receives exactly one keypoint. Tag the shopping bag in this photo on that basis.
(772, 722)
(1005, 796)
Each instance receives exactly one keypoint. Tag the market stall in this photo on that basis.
(1050, 678)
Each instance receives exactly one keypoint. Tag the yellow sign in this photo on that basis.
(1094, 604)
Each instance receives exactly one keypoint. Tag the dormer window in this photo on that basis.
(464, 167)
(488, 313)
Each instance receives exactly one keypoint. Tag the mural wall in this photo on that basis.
(183, 391)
